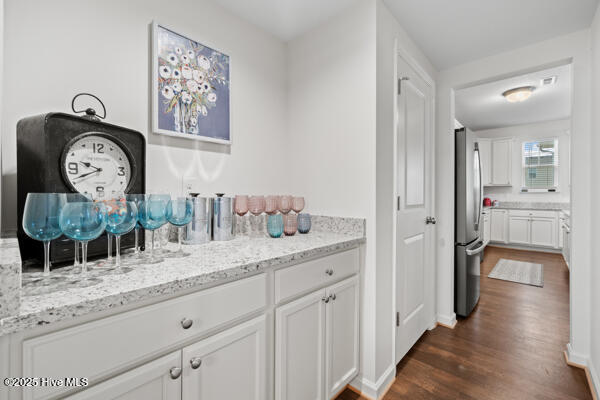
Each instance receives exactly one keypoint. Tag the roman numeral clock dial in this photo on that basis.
(96, 164)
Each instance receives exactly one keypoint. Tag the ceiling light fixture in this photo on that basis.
(518, 94)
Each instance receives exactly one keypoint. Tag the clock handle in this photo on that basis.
(89, 111)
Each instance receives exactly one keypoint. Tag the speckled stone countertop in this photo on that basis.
(518, 205)
(207, 265)
(10, 277)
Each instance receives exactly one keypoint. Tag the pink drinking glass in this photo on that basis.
(256, 204)
(271, 204)
(285, 204)
(241, 205)
(298, 204)
(290, 224)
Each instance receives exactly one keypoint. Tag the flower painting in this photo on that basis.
(191, 88)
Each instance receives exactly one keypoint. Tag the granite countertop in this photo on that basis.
(207, 265)
(517, 205)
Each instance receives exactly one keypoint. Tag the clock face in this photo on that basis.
(95, 164)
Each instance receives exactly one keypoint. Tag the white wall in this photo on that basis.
(575, 47)
(521, 133)
(594, 282)
(56, 49)
(331, 109)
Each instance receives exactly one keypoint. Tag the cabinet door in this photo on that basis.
(157, 380)
(498, 228)
(501, 161)
(518, 230)
(543, 231)
(485, 152)
(228, 365)
(342, 335)
(300, 348)
(487, 228)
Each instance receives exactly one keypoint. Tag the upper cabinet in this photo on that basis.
(485, 154)
(496, 156)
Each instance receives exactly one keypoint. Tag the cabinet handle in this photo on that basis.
(186, 323)
(333, 296)
(196, 362)
(175, 372)
(326, 299)
(329, 272)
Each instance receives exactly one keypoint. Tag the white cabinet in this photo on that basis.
(157, 380)
(496, 165)
(228, 365)
(316, 343)
(543, 231)
(300, 348)
(485, 153)
(501, 162)
(533, 228)
(342, 335)
(498, 228)
(518, 230)
(487, 227)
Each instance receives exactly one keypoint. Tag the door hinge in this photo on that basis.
(397, 318)
(404, 78)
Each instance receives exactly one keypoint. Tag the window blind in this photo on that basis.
(540, 164)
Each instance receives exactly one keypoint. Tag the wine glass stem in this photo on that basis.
(179, 237)
(118, 244)
(109, 236)
(152, 248)
(46, 257)
(137, 235)
(76, 254)
(84, 269)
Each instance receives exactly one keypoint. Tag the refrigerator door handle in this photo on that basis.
(472, 252)
(480, 189)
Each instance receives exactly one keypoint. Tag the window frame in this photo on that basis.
(556, 166)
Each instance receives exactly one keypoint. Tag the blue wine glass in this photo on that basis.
(124, 222)
(41, 220)
(82, 220)
(136, 198)
(179, 213)
(152, 214)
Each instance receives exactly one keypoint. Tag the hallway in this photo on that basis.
(511, 347)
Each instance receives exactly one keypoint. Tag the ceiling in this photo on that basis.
(454, 32)
(483, 107)
(285, 19)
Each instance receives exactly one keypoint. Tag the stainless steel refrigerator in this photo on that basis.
(468, 246)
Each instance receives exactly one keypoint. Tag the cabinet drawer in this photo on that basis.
(97, 349)
(307, 276)
(533, 213)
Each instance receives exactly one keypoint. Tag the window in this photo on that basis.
(540, 165)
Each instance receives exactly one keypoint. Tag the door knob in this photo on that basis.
(333, 297)
(196, 362)
(326, 299)
(329, 272)
(175, 372)
(430, 220)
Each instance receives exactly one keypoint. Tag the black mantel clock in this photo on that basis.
(65, 153)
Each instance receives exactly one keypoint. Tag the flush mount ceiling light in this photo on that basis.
(518, 94)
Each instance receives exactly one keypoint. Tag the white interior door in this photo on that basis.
(414, 237)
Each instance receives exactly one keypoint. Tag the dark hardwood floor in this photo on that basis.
(510, 347)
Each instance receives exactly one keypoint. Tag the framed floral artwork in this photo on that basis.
(190, 88)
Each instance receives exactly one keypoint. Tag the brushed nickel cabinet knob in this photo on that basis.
(186, 323)
(196, 362)
(175, 372)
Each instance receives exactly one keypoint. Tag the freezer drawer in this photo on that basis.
(467, 277)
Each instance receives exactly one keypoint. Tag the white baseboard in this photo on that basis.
(449, 321)
(576, 358)
(375, 390)
(595, 378)
(524, 247)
